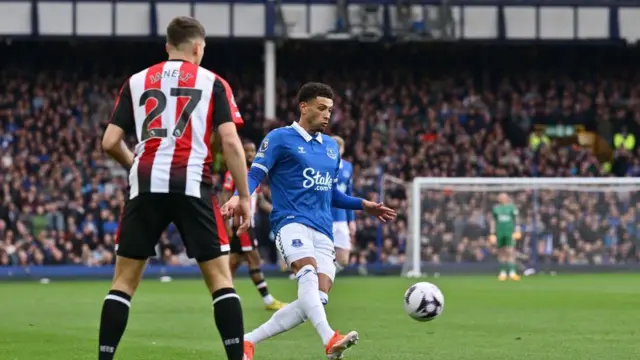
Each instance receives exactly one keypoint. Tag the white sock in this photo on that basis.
(309, 302)
(324, 298)
(282, 320)
(503, 273)
(268, 300)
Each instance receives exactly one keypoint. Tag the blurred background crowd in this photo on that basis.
(404, 111)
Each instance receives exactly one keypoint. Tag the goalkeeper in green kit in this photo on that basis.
(504, 232)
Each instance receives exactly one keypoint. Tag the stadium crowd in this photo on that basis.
(61, 196)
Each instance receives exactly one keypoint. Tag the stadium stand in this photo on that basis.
(426, 112)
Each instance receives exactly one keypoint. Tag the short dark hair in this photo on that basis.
(246, 141)
(182, 29)
(312, 90)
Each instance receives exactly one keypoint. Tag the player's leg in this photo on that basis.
(295, 242)
(249, 246)
(203, 233)
(342, 243)
(234, 261)
(140, 228)
(298, 247)
(236, 255)
(285, 319)
(325, 259)
(502, 257)
(257, 276)
(511, 261)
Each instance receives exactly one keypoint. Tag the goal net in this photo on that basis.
(562, 220)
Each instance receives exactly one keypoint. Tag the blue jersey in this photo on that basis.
(344, 184)
(302, 170)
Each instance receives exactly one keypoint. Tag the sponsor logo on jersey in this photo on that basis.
(314, 179)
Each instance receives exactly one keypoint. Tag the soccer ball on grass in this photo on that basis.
(423, 301)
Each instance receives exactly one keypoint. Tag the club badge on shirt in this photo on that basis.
(331, 154)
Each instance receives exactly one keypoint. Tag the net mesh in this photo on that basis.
(560, 223)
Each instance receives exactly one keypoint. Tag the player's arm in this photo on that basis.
(351, 215)
(225, 119)
(264, 204)
(122, 122)
(227, 191)
(341, 200)
(264, 161)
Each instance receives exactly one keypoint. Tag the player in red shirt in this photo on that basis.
(174, 108)
(244, 246)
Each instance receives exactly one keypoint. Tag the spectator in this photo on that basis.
(61, 197)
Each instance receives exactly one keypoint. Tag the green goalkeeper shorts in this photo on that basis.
(503, 240)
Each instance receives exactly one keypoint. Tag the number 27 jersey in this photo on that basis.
(173, 108)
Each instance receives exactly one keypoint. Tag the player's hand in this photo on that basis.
(492, 239)
(227, 209)
(517, 235)
(242, 214)
(378, 210)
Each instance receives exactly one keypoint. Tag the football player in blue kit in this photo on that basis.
(344, 221)
(302, 165)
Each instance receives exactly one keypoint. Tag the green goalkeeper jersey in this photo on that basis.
(505, 218)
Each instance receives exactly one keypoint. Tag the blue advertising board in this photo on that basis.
(512, 20)
(79, 272)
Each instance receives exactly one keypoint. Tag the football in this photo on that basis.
(423, 301)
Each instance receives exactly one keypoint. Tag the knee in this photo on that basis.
(125, 285)
(233, 263)
(127, 275)
(306, 270)
(298, 265)
(343, 261)
(216, 273)
(253, 259)
(342, 257)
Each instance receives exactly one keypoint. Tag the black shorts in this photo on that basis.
(244, 243)
(198, 220)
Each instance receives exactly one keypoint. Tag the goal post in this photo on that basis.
(449, 218)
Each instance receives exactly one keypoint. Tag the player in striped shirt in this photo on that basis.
(244, 246)
(174, 108)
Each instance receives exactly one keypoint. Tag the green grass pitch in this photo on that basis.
(570, 317)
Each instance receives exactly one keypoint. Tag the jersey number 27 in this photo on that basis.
(194, 96)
